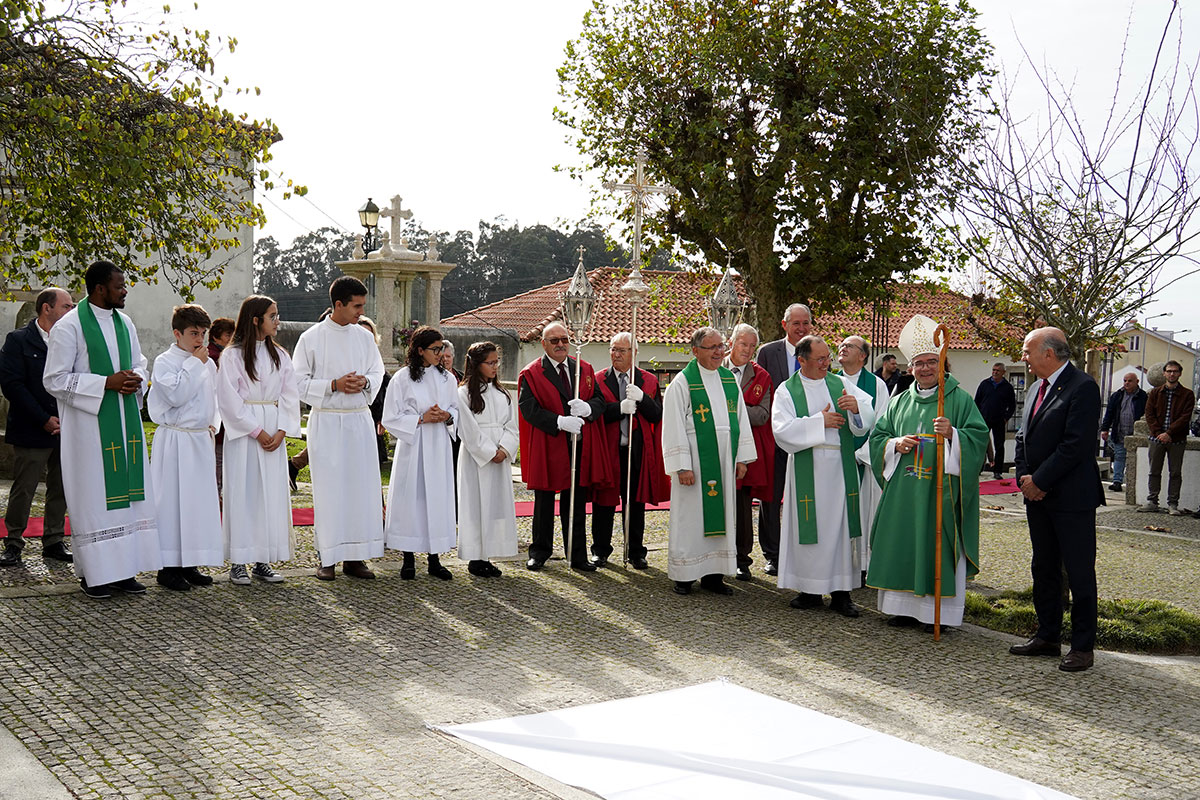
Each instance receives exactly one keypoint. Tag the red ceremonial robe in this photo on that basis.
(654, 485)
(760, 474)
(545, 457)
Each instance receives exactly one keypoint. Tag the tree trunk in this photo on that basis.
(761, 275)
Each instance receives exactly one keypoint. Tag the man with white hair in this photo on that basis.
(853, 354)
(550, 415)
(759, 482)
(780, 361)
(633, 447)
(707, 444)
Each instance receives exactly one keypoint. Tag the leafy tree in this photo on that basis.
(1073, 224)
(113, 143)
(810, 139)
(298, 276)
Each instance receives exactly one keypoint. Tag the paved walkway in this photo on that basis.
(316, 690)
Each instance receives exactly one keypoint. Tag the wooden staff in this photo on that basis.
(941, 339)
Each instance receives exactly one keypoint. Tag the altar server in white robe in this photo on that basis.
(853, 355)
(707, 443)
(489, 432)
(183, 461)
(421, 411)
(339, 371)
(96, 371)
(260, 406)
(815, 416)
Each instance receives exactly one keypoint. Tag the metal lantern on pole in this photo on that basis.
(368, 217)
(578, 303)
(725, 307)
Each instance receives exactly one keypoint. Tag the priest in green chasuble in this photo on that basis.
(904, 457)
(707, 443)
(816, 417)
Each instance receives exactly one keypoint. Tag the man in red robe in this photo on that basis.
(633, 422)
(759, 483)
(550, 416)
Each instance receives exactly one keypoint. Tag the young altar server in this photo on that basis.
(260, 405)
(183, 402)
(489, 432)
(421, 411)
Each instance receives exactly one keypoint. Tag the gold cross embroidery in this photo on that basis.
(806, 502)
(702, 411)
(115, 447)
(134, 440)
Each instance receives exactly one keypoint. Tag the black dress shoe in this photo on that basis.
(600, 561)
(683, 587)
(492, 570)
(479, 569)
(717, 586)
(638, 563)
(437, 570)
(842, 604)
(128, 586)
(1036, 647)
(806, 600)
(900, 621)
(170, 578)
(1115, 486)
(1077, 661)
(95, 592)
(584, 566)
(535, 564)
(195, 577)
(11, 557)
(57, 551)
(743, 574)
(771, 568)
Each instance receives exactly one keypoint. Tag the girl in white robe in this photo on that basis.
(421, 411)
(487, 429)
(259, 402)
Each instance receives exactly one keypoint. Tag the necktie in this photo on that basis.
(564, 377)
(622, 382)
(1041, 395)
(797, 359)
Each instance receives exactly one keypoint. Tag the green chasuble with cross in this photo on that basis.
(902, 538)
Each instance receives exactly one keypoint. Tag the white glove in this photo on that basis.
(579, 408)
(570, 424)
(634, 393)
(628, 406)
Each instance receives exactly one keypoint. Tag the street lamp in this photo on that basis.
(368, 217)
(1146, 327)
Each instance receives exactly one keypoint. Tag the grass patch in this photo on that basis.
(1140, 626)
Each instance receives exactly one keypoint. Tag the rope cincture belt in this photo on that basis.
(261, 402)
(354, 410)
(186, 430)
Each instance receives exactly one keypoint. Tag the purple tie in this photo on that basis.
(1041, 395)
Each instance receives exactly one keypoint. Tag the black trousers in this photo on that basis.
(602, 516)
(768, 512)
(542, 545)
(745, 528)
(1064, 539)
(998, 436)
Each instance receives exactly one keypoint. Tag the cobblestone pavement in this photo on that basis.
(308, 689)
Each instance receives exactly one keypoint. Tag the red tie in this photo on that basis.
(1037, 404)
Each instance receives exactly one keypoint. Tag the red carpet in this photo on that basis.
(304, 516)
(1005, 486)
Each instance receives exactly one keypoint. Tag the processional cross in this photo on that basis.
(639, 189)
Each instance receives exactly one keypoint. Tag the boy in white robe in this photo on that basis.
(94, 360)
(339, 371)
(183, 402)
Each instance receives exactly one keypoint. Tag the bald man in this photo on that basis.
(1125, 407)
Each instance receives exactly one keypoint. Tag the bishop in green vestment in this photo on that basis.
(904, 457)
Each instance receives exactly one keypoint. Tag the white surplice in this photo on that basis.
(342, 452)
(420, 506)
(109, 545)
(487, 519)
(907, 604)
(690, 554)
(183, 401)
(257, 522)
(832, 563)
(870, 492)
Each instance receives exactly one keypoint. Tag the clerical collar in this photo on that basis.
(850, 375)
(103, 312)
(925, 392)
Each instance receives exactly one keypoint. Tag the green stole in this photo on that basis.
(123, 479)
(713, 498)
(802, 464)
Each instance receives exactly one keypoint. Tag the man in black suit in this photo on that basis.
(780, 361)
(33, 429)
(997, 402)
(1057, 472)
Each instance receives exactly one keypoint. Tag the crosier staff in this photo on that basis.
(941, 339)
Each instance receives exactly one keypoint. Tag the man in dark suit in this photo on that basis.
(1056, 470)
(779, 359)
(33, 429)
(997, 402)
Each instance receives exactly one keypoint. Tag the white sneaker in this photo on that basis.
(264, 572)
(238, 576)
(1175, 512)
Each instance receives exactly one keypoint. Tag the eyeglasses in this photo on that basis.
(273, 317)
(1173, 371)
(493, 364)
(620, 349)
(558, 340)
(720, 346)
(437, 348)
(928, 364)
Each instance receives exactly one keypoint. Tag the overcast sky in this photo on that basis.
(449, 103)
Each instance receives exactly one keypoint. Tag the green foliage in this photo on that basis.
(1133, 625)
(812, 136)
(298, 277)
(113, 144)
